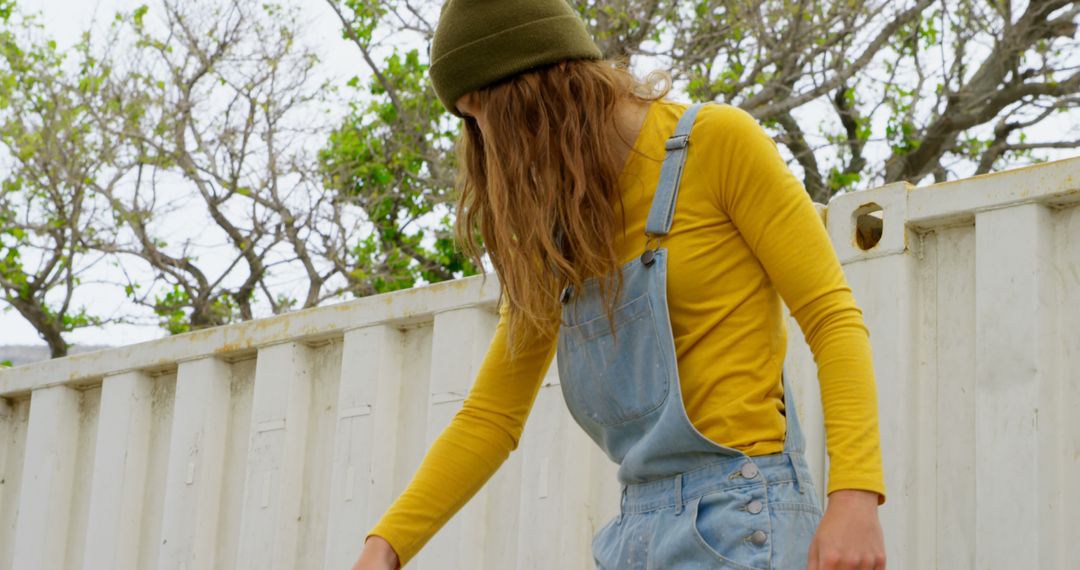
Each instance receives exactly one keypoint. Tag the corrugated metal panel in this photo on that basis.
(278, 443)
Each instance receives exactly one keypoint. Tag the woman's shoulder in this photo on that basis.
(723, 119)
(724, 128)
(718, 122)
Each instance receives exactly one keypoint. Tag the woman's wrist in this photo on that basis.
(381, 551)
(855, 498)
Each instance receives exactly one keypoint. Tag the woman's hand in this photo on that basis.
(377, 555)
(849, 536)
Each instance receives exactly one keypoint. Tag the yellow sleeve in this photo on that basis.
(469, 451)
(777, 219)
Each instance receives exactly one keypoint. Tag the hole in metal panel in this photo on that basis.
(869, 220)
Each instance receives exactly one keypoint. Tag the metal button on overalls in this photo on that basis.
(749, 470)
(758, 537)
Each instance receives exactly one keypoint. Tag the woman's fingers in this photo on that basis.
(811, 560)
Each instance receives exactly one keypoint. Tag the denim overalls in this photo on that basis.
(687, 502)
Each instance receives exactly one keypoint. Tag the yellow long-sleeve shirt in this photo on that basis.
(745, 236)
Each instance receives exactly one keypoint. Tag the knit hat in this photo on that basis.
(481, 42)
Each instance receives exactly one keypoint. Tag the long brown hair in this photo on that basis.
(541, 192)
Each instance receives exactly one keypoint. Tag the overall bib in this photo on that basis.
(687, 502)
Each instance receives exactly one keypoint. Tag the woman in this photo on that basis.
(650, 245)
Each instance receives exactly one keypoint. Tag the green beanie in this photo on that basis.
(481, 42)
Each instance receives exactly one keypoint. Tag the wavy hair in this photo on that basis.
(540, 194)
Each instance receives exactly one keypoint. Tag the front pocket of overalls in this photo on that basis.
(604, 546)
(615, 378)
(722, 528)
(794, 517)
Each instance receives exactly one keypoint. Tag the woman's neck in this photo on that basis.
(629, 118)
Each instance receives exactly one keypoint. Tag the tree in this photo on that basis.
(907, 89)
(620, 27)
(216, 99)
(392, 156)
(54, 158)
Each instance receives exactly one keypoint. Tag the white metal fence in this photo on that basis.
(277, 443)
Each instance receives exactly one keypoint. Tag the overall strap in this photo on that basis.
(795, 442)
(667, 189)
